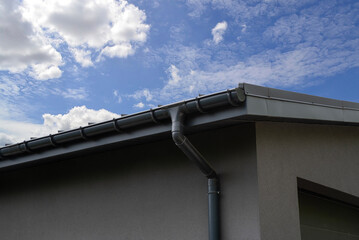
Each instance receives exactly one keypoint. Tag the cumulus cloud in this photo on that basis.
(82, 56)
(33, 30)
(120, 51)
(114, 28)
(23, 47)
(45, 72)
(6, 139)
(218, 31)
(76, 117)
(17, 131)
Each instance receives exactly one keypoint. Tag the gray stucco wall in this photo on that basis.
(148, 191)
(326, 155)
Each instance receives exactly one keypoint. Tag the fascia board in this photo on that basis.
(261, 108)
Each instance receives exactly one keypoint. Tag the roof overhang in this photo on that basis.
(272, 104)
(247, 103)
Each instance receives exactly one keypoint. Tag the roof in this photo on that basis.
(246, 103)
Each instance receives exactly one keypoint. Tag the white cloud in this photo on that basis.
(8, 87)
(244, 28)
(242, 9)
(120, 51)
(45, 71)
(93, 23)
(82, 56)
(185, 57)
(16, 92)
(112, 27)
(317, 42)
(14, 131)
(198, 7)
(6, 139)
(271, 67)
(218, 31)
(178, 32)
(316, 26)
(139, 105)
(33, 29)
(117, 96)
(156, 4)
(145, 93)
(76, 117)
(17, 131)
(75, 93)
(23, 47)
(71, 93)
(174, 77)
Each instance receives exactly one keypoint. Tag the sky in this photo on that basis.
(66, 63)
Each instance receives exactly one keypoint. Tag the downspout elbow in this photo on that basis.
(178, 138)
(186, 146)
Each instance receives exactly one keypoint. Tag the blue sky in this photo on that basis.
(66, 63)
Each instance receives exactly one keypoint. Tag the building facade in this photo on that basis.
(287, 164)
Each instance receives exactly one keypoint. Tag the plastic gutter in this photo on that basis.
(200, 104)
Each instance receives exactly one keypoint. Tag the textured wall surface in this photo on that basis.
(327, 155)
(148, 191)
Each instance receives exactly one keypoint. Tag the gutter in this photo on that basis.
(119, 125)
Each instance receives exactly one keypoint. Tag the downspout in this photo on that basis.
(177, 116)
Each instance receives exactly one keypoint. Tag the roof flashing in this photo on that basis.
(288, 96)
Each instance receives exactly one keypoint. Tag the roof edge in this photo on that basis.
(289, 96)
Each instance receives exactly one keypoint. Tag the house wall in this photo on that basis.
(148, 191)
(327, 155)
